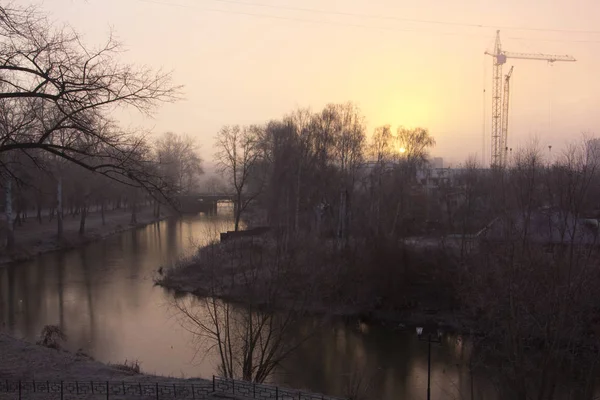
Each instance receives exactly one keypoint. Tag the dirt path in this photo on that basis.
(33, 238)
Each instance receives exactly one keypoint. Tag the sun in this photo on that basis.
(402, 150)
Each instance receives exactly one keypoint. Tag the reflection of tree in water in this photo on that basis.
(135, 263)
(346, 356)
(172, 238)
(25, 298)
(11, 282)
(88, 278)
(392, 364)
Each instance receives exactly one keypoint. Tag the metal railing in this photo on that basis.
(64, 390)
(263, 392)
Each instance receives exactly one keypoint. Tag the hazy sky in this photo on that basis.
(412, 63)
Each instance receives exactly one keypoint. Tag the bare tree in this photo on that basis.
(238, 158)
(533, 286)
(413, 145)
(253, 338)
(412, 151)
(179, 162)
(56, 94)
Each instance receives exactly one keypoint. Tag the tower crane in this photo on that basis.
(504, 136)
(499, 143)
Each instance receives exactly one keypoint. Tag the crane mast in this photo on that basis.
(504, 135)
(499, 61)
(499, 143)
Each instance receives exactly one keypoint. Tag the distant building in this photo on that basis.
(545, 227)
(436, 162)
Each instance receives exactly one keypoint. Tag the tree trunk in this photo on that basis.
(39, 211)
(102, 212)
(297, 210)
(18, 221)
(133, 212)
(10, 233)
(237, 211)
(59, 208)
(82, 220)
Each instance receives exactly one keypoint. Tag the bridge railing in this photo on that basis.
(261, 391)
(103, 390)
(145, 390)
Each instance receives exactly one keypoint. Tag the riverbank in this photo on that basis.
(318, 277)
(34, 238)
(20, 360)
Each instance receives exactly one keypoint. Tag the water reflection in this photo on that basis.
(102, 295)
(394, 363)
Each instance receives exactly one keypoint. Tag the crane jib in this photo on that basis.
(500, 99)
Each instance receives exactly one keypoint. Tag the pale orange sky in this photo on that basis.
(246, 63)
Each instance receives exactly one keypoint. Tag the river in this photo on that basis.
(103, 297)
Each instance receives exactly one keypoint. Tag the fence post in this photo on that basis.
(253, 390)
(107, 391)
(193, 392)
(233, 385)
(19, 390)
(174, 391)
(156, 390)
(213, 383)
(62, 396)
(276, 392)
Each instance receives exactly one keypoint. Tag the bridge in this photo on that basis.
(202, 202)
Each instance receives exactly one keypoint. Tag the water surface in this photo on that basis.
(103, 297)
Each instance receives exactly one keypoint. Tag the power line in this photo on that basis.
(393, 18)
(555, 40)
(391, 29)
(309, 20)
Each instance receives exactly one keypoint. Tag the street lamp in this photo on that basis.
(429, 338)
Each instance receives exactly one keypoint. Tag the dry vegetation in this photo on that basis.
(515, 252)
(320, 276)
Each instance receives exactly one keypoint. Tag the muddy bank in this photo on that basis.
(319, 278)
(33, 238)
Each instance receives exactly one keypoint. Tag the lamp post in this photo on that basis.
(429, 338)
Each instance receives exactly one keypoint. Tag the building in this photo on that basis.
(546, 227)
(436, 162)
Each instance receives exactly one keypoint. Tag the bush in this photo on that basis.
(51, 337)
(132, 367)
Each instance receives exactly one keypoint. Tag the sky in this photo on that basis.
(411, 63)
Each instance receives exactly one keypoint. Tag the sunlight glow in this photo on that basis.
(402, 150)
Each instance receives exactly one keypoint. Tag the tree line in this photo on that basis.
(316, 171)
(516, 251)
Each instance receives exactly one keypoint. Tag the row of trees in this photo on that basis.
(317, 170)
(54, 188)
(59, 147)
